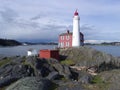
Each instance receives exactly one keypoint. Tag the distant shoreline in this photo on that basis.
(10, 42)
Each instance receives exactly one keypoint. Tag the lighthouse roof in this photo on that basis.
(76, 13)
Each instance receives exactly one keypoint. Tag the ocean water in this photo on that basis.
(22, 50)
(113, 50)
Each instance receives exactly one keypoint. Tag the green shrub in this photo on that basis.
(97, 79)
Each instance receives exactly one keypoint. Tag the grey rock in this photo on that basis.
(86, 56)
(32, 83)
(81, 76)
(22, 70)
(17, 59)
(2, 57)
(63, 70)
(12, 72)
(71, 88)
(43, 67)
(52, 75)
(69, 85)
(111, 79)
(84, 77)
(7, 81)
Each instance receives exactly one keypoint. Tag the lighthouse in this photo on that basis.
(76, 30)
(72, 39)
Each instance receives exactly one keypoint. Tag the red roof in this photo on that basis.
(76, 13)
(70, 33)
(63, 34)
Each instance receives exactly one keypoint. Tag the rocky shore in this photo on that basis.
(81, 68)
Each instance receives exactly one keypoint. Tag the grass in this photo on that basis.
(99, 83)
(4, 61)
(67, 62)
(96, 79)
(24, 58)
(3, 88)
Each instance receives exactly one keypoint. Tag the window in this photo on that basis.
(67, 37)
(62, 44)
(62, 37)
(67, 44)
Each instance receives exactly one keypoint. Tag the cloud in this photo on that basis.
(14, 27)
(29, 20)
(94, 35)
(96, 41)
(36, 17)
(8, 15)
(87, 27)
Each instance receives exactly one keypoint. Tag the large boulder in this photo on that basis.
(32, 83)
(7, 81)
(86, 56)
(81, 76)
(84, 77)
(53, 75)
(17, 70)
(43, 68)
(63, 70)
(46, 67)
(11, 72)
(22, 71)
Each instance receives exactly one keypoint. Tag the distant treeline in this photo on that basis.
(41, 43)
(111, 43)
(105, 43)
(8, 42)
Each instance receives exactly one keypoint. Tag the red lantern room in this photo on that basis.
(76, 13)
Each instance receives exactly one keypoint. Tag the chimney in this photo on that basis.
(68, 31)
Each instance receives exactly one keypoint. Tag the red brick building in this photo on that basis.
(65, 40)
(49, 54)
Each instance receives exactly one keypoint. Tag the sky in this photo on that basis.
(44, 20)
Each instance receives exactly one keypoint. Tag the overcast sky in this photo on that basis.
(44, 20)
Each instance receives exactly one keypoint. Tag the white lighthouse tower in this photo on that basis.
(76, 30)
